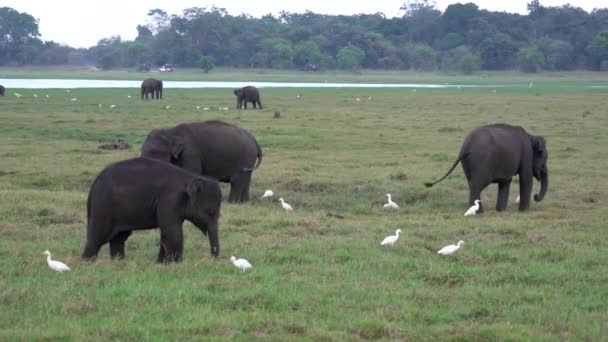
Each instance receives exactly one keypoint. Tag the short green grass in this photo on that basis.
(538, 275)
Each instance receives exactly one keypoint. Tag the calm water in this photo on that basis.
(66, 83)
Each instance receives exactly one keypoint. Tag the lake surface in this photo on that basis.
(71, 84)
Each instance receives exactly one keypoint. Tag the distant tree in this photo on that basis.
(423, 20)
(531, 59)
(76, 57)
(460, 59)
(598, 50)
(558, 54)
(498, 52)
(350, 57)
(449, 41)
(18, 35)
(423, 58)
(207, 63)
(535, 9)
(306, 52)
(143, 34)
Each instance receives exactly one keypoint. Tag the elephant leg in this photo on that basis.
(254, 104)
(503, 194)
(98, 233)
(236, 188)
(246, 182)
(525, 191)
(476, 186)
(117, 245)
(245, 104)
(172, 244)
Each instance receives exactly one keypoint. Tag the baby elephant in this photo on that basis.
(142, 193)
(247, 94)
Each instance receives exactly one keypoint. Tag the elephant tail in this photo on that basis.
(259, 157)
(428, 185)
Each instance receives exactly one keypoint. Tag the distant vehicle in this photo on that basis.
(310, 67)
(145, 67)
(166, 68)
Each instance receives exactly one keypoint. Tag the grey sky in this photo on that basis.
(81, 23)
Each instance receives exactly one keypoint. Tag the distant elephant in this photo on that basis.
(152, 87)
(247, 94)
(211, 148)
(2, 90)
(494, 154)
(143, 193)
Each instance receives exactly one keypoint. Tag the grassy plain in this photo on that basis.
(538, 275)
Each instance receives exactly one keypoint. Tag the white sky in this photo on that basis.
(80, 23)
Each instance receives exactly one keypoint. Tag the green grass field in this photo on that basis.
(541, 275)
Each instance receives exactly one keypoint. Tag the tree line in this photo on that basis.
(463, 38)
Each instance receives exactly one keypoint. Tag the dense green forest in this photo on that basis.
(461, 39)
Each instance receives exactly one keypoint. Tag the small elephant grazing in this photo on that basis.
(494, 154)
(153, 87)
(2, 89)
(247, 94)
(143, 193)
(211, 148)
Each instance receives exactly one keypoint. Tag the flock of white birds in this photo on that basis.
(244, 264)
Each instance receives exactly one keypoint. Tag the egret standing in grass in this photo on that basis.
(243, 264)
(390, 203)
(55, 265)
(473, 210)
(267, 194)
(285, 205)
(391, 239)
(450, 249)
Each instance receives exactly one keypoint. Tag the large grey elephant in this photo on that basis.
(142, 193)
(494, 154)
(211, 148)
(152, 87)
(247, 94)
(1, 90)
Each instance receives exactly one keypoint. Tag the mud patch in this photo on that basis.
(114, 144)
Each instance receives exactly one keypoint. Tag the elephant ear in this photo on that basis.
(176, 147)
(195, 186)
(538, 144)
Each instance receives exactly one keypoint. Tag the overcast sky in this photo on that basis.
(80, 23)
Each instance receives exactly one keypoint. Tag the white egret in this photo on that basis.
(17, 95)
(473, 210)
(47, 96)
(450, 249)
(74, 99)
(198, 107)
(243, 264)
(100, 105)
(517, 199)
(55, 265)
(206, 108)
(391, 239)
(358, 99)
(112, 106)
(35, 95)
(267, 194)
(285, 205)
(530, 86)
(390, 204)
(129, 96)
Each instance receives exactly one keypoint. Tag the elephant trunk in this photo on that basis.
(544, 185)
(214, 241)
